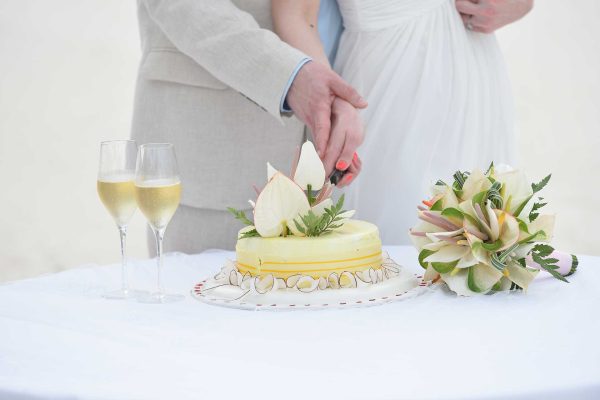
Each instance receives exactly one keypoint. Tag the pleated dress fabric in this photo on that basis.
(439, 100)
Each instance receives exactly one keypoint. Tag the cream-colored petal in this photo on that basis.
(521, 276)
(430, 274)
(467, 261)
(481, 278)
(509, 231)
(457, 282)
(435, 246)
(543, 223)
(310, 170)
(515, 184)
(449, 199)
(467, 208)
(270, 171)
(319, 209)
(481, 254)
(448, 254)
(278, 204)
(475, 183)
(493, 219)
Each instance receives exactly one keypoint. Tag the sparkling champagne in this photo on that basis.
(118, 196)
(158, 200)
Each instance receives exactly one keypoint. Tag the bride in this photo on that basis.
(439, 98)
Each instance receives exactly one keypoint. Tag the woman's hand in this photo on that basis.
(347, 134)
(486, 16)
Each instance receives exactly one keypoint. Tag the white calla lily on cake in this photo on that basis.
(483, 233)
(309, 174)
(301, 206)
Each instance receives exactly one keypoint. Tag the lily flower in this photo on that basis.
(310, 172)
(277, 205)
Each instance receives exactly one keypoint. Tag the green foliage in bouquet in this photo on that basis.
(484, 232)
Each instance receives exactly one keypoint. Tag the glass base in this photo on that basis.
(123, 294)
(160, 298)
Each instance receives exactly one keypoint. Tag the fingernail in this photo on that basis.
(341, 165)
(348, 178)
(355, 157)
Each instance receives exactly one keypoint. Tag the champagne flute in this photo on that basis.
(116, 190)
(157, 191)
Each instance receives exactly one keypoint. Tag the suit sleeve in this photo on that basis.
(230, 44)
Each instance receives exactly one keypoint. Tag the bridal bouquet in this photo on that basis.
(484, 233)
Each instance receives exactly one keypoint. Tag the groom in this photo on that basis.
(218, 84)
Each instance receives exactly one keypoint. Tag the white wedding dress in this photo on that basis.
(439, 100)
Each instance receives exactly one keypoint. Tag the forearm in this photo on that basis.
(295, 23)
(229, 44)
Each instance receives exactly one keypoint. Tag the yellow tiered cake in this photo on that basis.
(300, 239)
(355, 247)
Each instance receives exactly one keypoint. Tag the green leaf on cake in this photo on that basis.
(249, 234)
(240, 216)
(312, 225)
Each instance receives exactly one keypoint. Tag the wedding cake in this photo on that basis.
(301, 249)
(300, 239)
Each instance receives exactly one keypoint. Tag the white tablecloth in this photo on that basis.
(60, 340)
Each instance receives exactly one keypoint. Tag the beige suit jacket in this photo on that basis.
(211, 80)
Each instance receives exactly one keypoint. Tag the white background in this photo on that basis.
(67, 72)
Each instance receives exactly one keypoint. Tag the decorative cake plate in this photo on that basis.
(220, 292)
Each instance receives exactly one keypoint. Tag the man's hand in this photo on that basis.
(311, 97)
(347, 134)
(486, 16)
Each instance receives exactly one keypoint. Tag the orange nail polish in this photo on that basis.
(355, 157)
(348, 178)
(341, 165)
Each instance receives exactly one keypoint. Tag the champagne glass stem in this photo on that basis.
(159, 233)
(124, 280)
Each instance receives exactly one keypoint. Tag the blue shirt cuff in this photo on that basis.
(284, 108)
